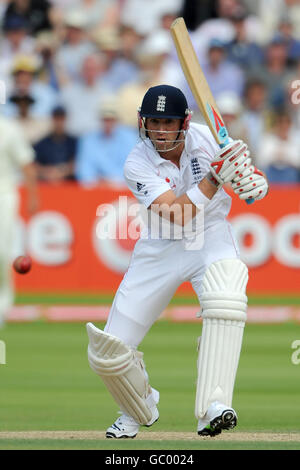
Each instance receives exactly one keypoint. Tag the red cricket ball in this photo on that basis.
(22, 264)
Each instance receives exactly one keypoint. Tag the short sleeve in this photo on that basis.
(20, 149)
(144, 182)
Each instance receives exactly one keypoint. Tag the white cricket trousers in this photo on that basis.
(8, 217)
(156, 270)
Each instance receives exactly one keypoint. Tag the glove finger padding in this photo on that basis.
(246, 171)
(230, 161)
(239, 164)
(248, 183)
(250, 186)
(256, 193)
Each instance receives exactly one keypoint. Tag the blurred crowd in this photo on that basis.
(76, 71)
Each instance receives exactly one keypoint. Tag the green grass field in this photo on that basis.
(48, 298)
(47, 385)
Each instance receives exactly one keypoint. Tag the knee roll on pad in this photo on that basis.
(123, 371)
(223, 303)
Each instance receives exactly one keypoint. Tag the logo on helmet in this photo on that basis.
(161, 103)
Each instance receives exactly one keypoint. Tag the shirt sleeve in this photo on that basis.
(21, 150)
(144, 182)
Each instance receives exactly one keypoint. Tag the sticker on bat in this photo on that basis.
(218, 124)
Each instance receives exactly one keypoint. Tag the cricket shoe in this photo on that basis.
(126, 427)
(217, 419)
(123, 427)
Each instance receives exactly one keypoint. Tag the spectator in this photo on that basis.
(270, 13)
(55, 153)
(33, 128)
(81, 99)
(145, 16)
(279, 152)
(36, 12)
(251, 5)
(26, 83)
(226, 8)
(99, 13)
(151, 58)
(241, 50)
(119, 70)
(101, 155)
(16, 41)
(46, 47)
(221, 75)
(222, 27)
(129, 42)
(230, 107)
(255, 113)
(274, 72)
(75, 49)
(285, 29)
(167, 19)
(155, 50)
(3, 7)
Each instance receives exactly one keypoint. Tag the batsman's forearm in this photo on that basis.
(180, 210)
(209, 186)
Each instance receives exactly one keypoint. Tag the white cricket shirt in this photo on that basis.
(148, 175)
(15, 152)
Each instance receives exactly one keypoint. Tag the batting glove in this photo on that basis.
(251, 183)
(229, 162)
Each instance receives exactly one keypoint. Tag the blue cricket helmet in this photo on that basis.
(164, 101)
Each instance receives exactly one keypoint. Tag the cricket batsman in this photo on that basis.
(177, 172)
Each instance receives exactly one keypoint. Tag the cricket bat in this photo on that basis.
(198, 83)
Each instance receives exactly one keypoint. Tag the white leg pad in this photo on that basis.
(122, 370)
(224, 304)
